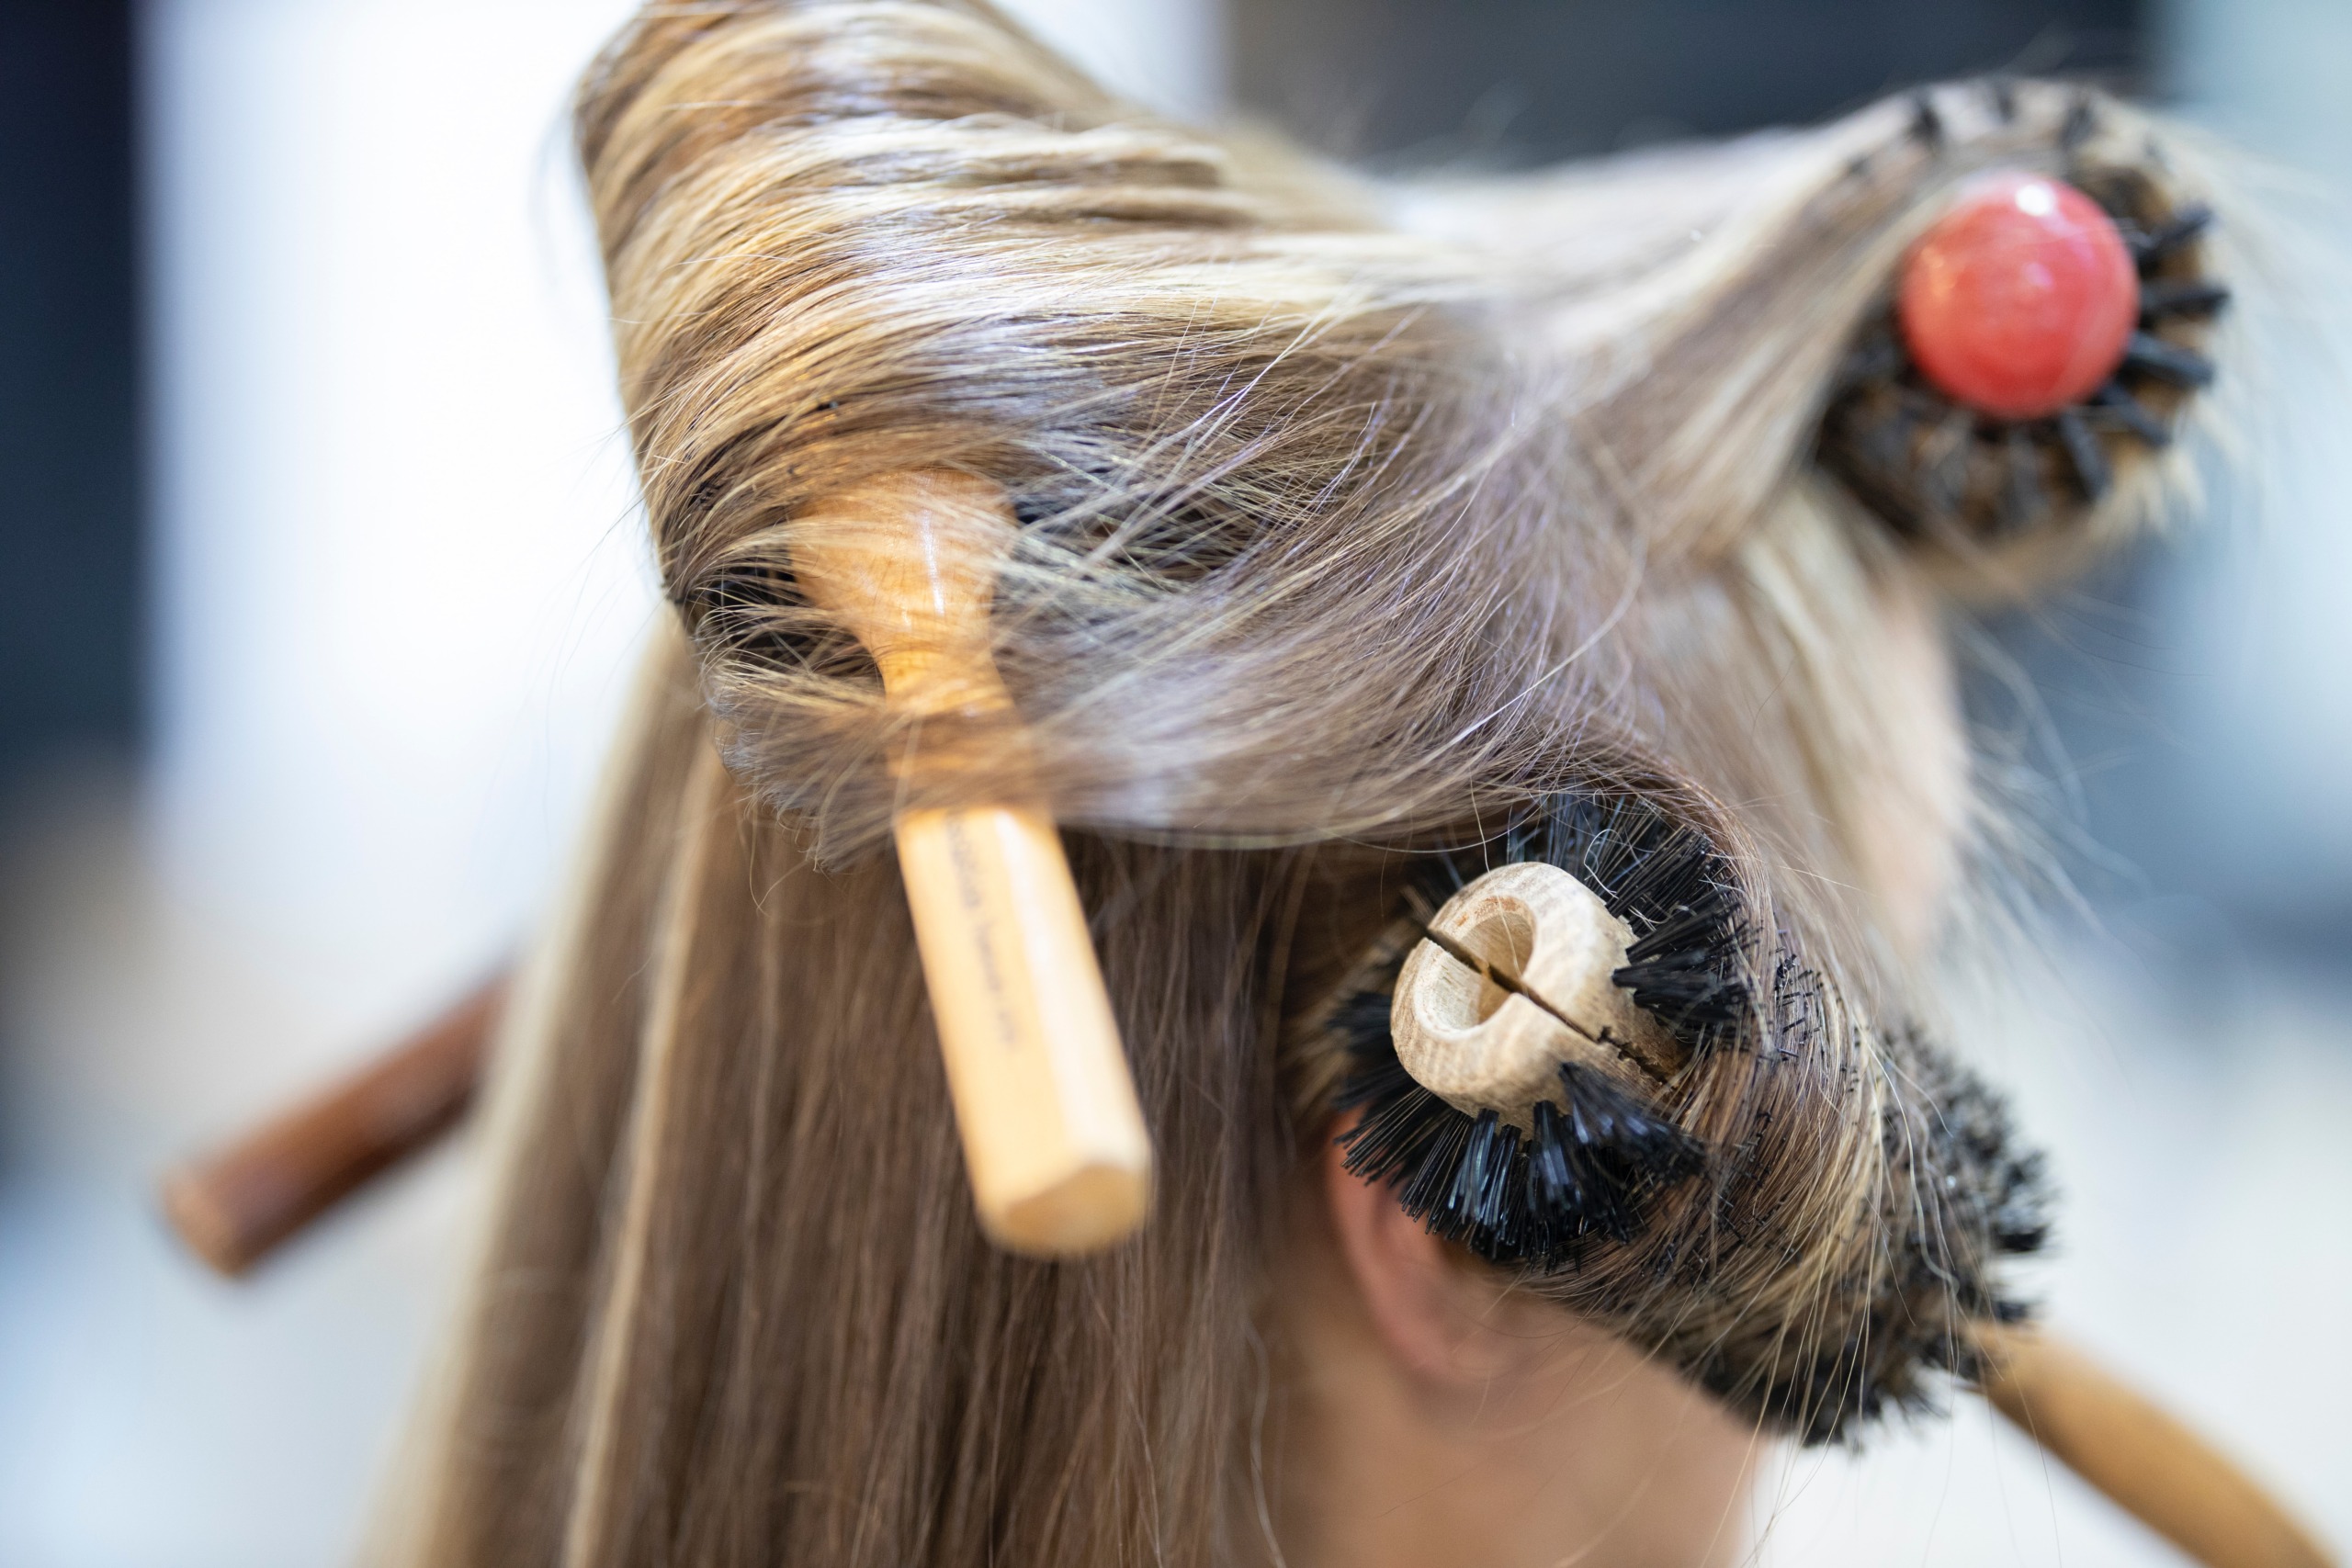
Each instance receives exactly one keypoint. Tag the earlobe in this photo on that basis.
(1444, 1322)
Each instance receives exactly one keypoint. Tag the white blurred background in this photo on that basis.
(394, 582)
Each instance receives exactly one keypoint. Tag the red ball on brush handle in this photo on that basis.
(2021, 300)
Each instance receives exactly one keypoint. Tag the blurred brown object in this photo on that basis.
(238, 1204)
(2141, 1456)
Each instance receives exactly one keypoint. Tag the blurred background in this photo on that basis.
(319, 580)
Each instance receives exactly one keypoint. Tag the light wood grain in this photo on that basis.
(1513, 979)
(1053, 1133)
(2141, 1456)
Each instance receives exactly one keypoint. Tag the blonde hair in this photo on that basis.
(1358, 520)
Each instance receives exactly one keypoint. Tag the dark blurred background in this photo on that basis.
(1518, 81)
(72, 564)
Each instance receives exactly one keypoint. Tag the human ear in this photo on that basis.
(1447, 1322)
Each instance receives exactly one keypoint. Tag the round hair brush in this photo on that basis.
(1519, 996)
(1053, 1135)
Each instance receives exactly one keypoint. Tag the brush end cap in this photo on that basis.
(1093, 1209)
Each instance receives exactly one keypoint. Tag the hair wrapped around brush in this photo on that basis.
(1371, 534)
(1250, 410)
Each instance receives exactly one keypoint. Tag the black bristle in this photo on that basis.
(1927, 124)
(1438, 1143)
(2083, 451)
(2186, 297)
(2022, 500)
(2167, 361)
(2081, 124)
(1607, 1116)
(1478, 1205)
(2003, 92)
(1553, 1181)
(2179, 229)
(1873, 359)
(2132, 416)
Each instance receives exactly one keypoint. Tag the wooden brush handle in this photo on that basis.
(1053, 1135)
(2146, 1461)
(237, 1205)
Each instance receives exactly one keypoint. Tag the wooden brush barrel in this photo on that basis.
(1512, 980)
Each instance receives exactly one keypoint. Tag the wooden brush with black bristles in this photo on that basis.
(1937, 469)
(1506, 1069)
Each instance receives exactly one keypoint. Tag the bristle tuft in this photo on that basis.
(1584, 1170)
(1686, 964)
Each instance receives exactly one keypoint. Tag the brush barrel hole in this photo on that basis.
(1495, 1038)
